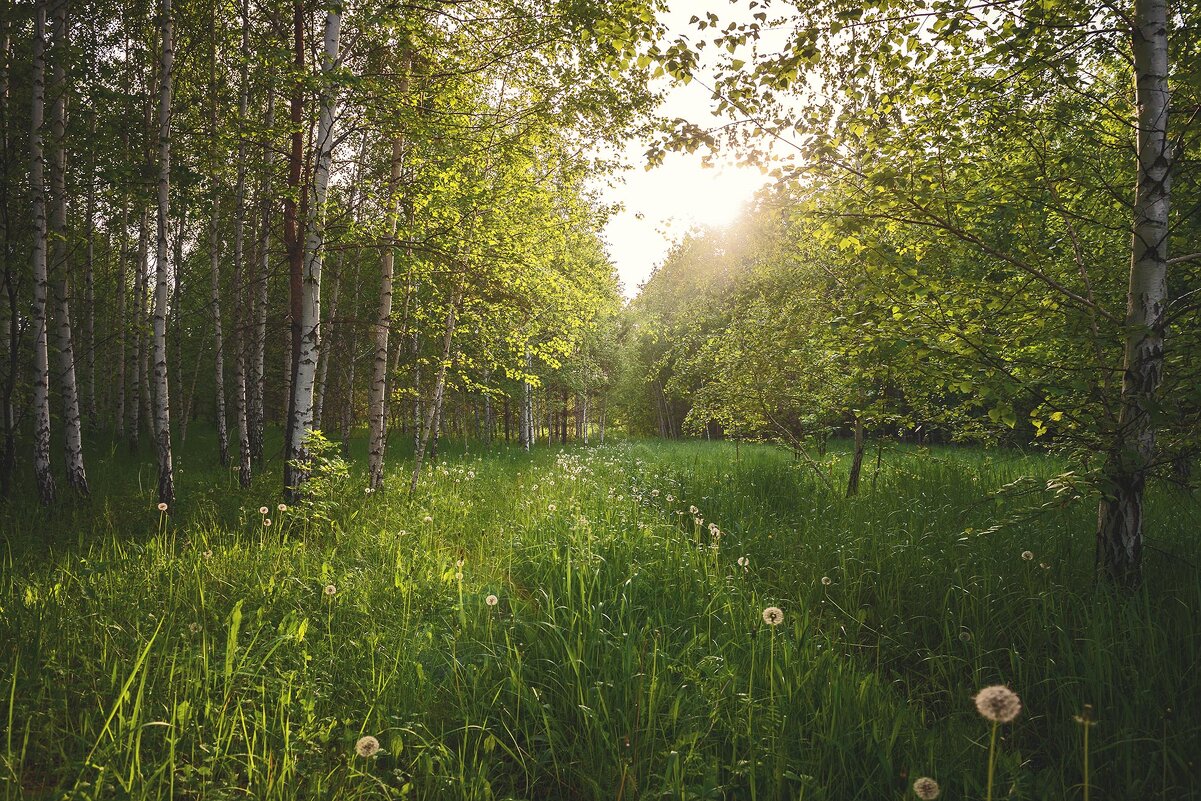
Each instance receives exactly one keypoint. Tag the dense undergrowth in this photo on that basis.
(204, 654)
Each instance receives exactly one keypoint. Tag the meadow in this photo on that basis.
(561, 625)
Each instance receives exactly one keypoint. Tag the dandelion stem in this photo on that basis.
(992, 758)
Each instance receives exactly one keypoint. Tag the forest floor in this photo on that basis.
(206, 654)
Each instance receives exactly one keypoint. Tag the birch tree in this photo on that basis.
(41, 279)
(301, 421)
(162, 405)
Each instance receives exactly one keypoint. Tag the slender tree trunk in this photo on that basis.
(214, 254)
(241, 317)
(256, 412)
(141, 409)
(377, 403)
(856, 460)
(8, 460)
(310, 313)
(41, 278)
(1120, 512)
(162, 405)
(89, 282)
(433, 413)
(122, 255)
(218, 333)
(72, 423)
(527, 408)
(326, 352)
(292, 241)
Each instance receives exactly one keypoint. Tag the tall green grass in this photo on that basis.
(198, 655)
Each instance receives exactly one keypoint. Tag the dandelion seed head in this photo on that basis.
(1027, 555)
(263, 510)
(427, 519)
(965, 636)
(283, 507)
(330, 589)
(492, 600)
(551, 507)
(694, 510)
(744, 561)
(266, 522)
(207, 554)
(366, 746)
(773, 616)
(162, 507)
(998, 703)
(926, 789)
(827, 581)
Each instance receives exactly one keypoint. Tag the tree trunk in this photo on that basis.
(8, 459)
(241, 316)
(162, 404)
(41, 279)
(89, 283)
(72, 424)
(433, 413)
(256, 413)
(218, 333)
(292, 241)
(122, 333)
(527, 407)
(296, 471)
(377, 402)
(1120, 511)
(141, 409)
(856, 460)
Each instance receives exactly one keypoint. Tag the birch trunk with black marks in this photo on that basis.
(433, 413)
(162, 404)
(41, 278)
(1120, 511)
(292, 241)
(64, 337)
(140, 412)
(241, 317)
(296, 472)
(378, 396)
(8, 460)
(215, 256)
(256, 403)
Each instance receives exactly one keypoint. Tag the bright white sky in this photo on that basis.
(662, 204)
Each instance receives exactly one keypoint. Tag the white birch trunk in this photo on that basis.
(72, 423)
(218, 333)
(162, 405)
(256, 413)
(310, 313)
(41, 279)
(433, 413)
(241, 294)
(377, 401)
(1120, 512)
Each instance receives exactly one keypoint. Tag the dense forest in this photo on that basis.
(332, 260)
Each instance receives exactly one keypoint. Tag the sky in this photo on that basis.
(664, 203)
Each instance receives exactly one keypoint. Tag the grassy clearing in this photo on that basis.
(200, 656)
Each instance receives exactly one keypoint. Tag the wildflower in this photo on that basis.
(263, 510)
(492, 600)
(698, 520)
(368, 490)
(1085, 718)
(998, 703)
(670, 498)
(744, 562)
(266, 522)
(208, 554)
(694, 510)
(1027, 555)
(1044, 565)
(458, 563)
(283, 507)
(458, 576)
(926, 789)
(773, 616)
(654, 493)
(827, 581)
(550, 507)
(330, 589)
(366, 746)
(713, 527)
(427, 519)
(162, 507)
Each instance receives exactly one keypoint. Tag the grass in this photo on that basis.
(197, 655)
